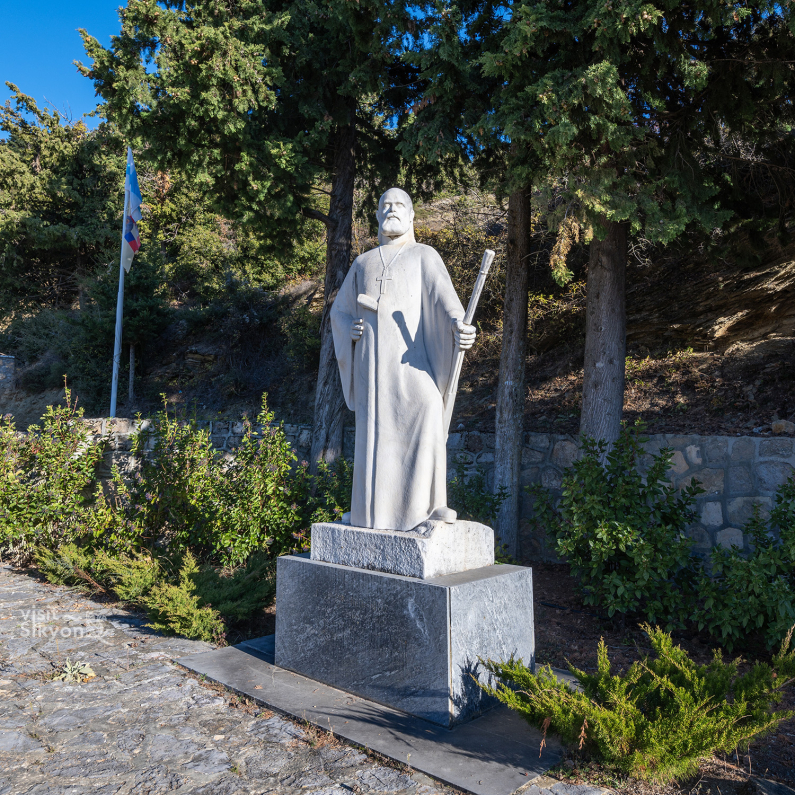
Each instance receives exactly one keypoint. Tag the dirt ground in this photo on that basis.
(568, 631)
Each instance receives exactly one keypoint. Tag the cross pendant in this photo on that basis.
(383, 278)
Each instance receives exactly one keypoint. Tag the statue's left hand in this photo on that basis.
(464, 335)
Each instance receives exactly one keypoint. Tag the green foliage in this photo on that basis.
(74, 672)
(45, 479)
(623, 532)
(240, 595)
(256, 495)
(141, 539)
(625, 105)
(177, 608)
(180, 596)
(662, 716)
(470, 496)
(332, 487)
(252, 100)
(301, 327)
(60, 204)
(754, 592)
(189, 497)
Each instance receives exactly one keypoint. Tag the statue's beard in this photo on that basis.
(394, 227)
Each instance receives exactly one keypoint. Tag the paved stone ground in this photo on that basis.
(144, 726)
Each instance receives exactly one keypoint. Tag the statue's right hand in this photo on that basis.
(356, 329)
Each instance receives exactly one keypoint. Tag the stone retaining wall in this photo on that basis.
(735, 472)
(6, 373)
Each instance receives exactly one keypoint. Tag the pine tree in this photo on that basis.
(60, 204)
(268, 103)
(626, 105)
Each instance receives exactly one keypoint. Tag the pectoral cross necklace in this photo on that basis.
(383, 278)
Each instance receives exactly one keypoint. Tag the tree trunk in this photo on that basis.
(131, 391)
(509, 425)
(329, 402)
(605, 336)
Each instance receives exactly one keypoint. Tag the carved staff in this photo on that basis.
(458, 356)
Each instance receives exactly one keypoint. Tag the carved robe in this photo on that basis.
(394, 378)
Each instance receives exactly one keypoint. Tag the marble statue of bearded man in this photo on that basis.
(397, 323)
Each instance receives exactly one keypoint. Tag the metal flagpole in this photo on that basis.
(119, 307)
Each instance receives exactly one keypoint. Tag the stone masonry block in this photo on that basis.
(739, 480)
(528, 476)
(775, 448)
(473, 442)
(740, 509)
(537, 441)
(701, 538)
(120, 425)
(564, 454)
(693, 454)
(678, 463)
(711, 480)
(772, 474)
(453, 441)
(656, 443)
(431, 550)
(743, 449)
(551, 479)
(712, 514)
(530, 456)
(218, 441)
(730, 537)
(716, 450)
(411, 644)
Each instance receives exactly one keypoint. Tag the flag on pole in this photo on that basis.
(131, 240)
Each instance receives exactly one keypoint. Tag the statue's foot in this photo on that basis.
(444, 515)
(346, 518)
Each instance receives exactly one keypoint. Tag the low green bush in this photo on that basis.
(46, 480)
(658, 719)
(624, 531)
(754, 592)
(180, 596)
(187, 496)
(469, 494)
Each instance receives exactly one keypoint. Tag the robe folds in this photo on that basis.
(394, 377)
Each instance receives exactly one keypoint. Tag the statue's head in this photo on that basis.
(395, 215)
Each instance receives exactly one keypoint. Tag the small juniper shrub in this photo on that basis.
(754, 592)
(180, 596)
(623, 530)
(662, 716)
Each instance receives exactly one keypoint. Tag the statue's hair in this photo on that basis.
(408, 198)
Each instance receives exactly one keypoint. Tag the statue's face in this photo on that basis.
(395, 213)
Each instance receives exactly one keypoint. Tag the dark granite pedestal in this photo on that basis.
(407, 643)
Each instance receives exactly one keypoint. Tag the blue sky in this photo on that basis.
(39, 41)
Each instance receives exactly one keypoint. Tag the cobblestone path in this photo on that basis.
(142, 725)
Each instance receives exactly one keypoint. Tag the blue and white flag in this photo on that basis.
(131, 240)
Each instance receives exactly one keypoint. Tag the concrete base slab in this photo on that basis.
(432, 549)
(411, 644)
(495, 754)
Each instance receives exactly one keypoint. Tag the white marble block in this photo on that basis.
(433, 549)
